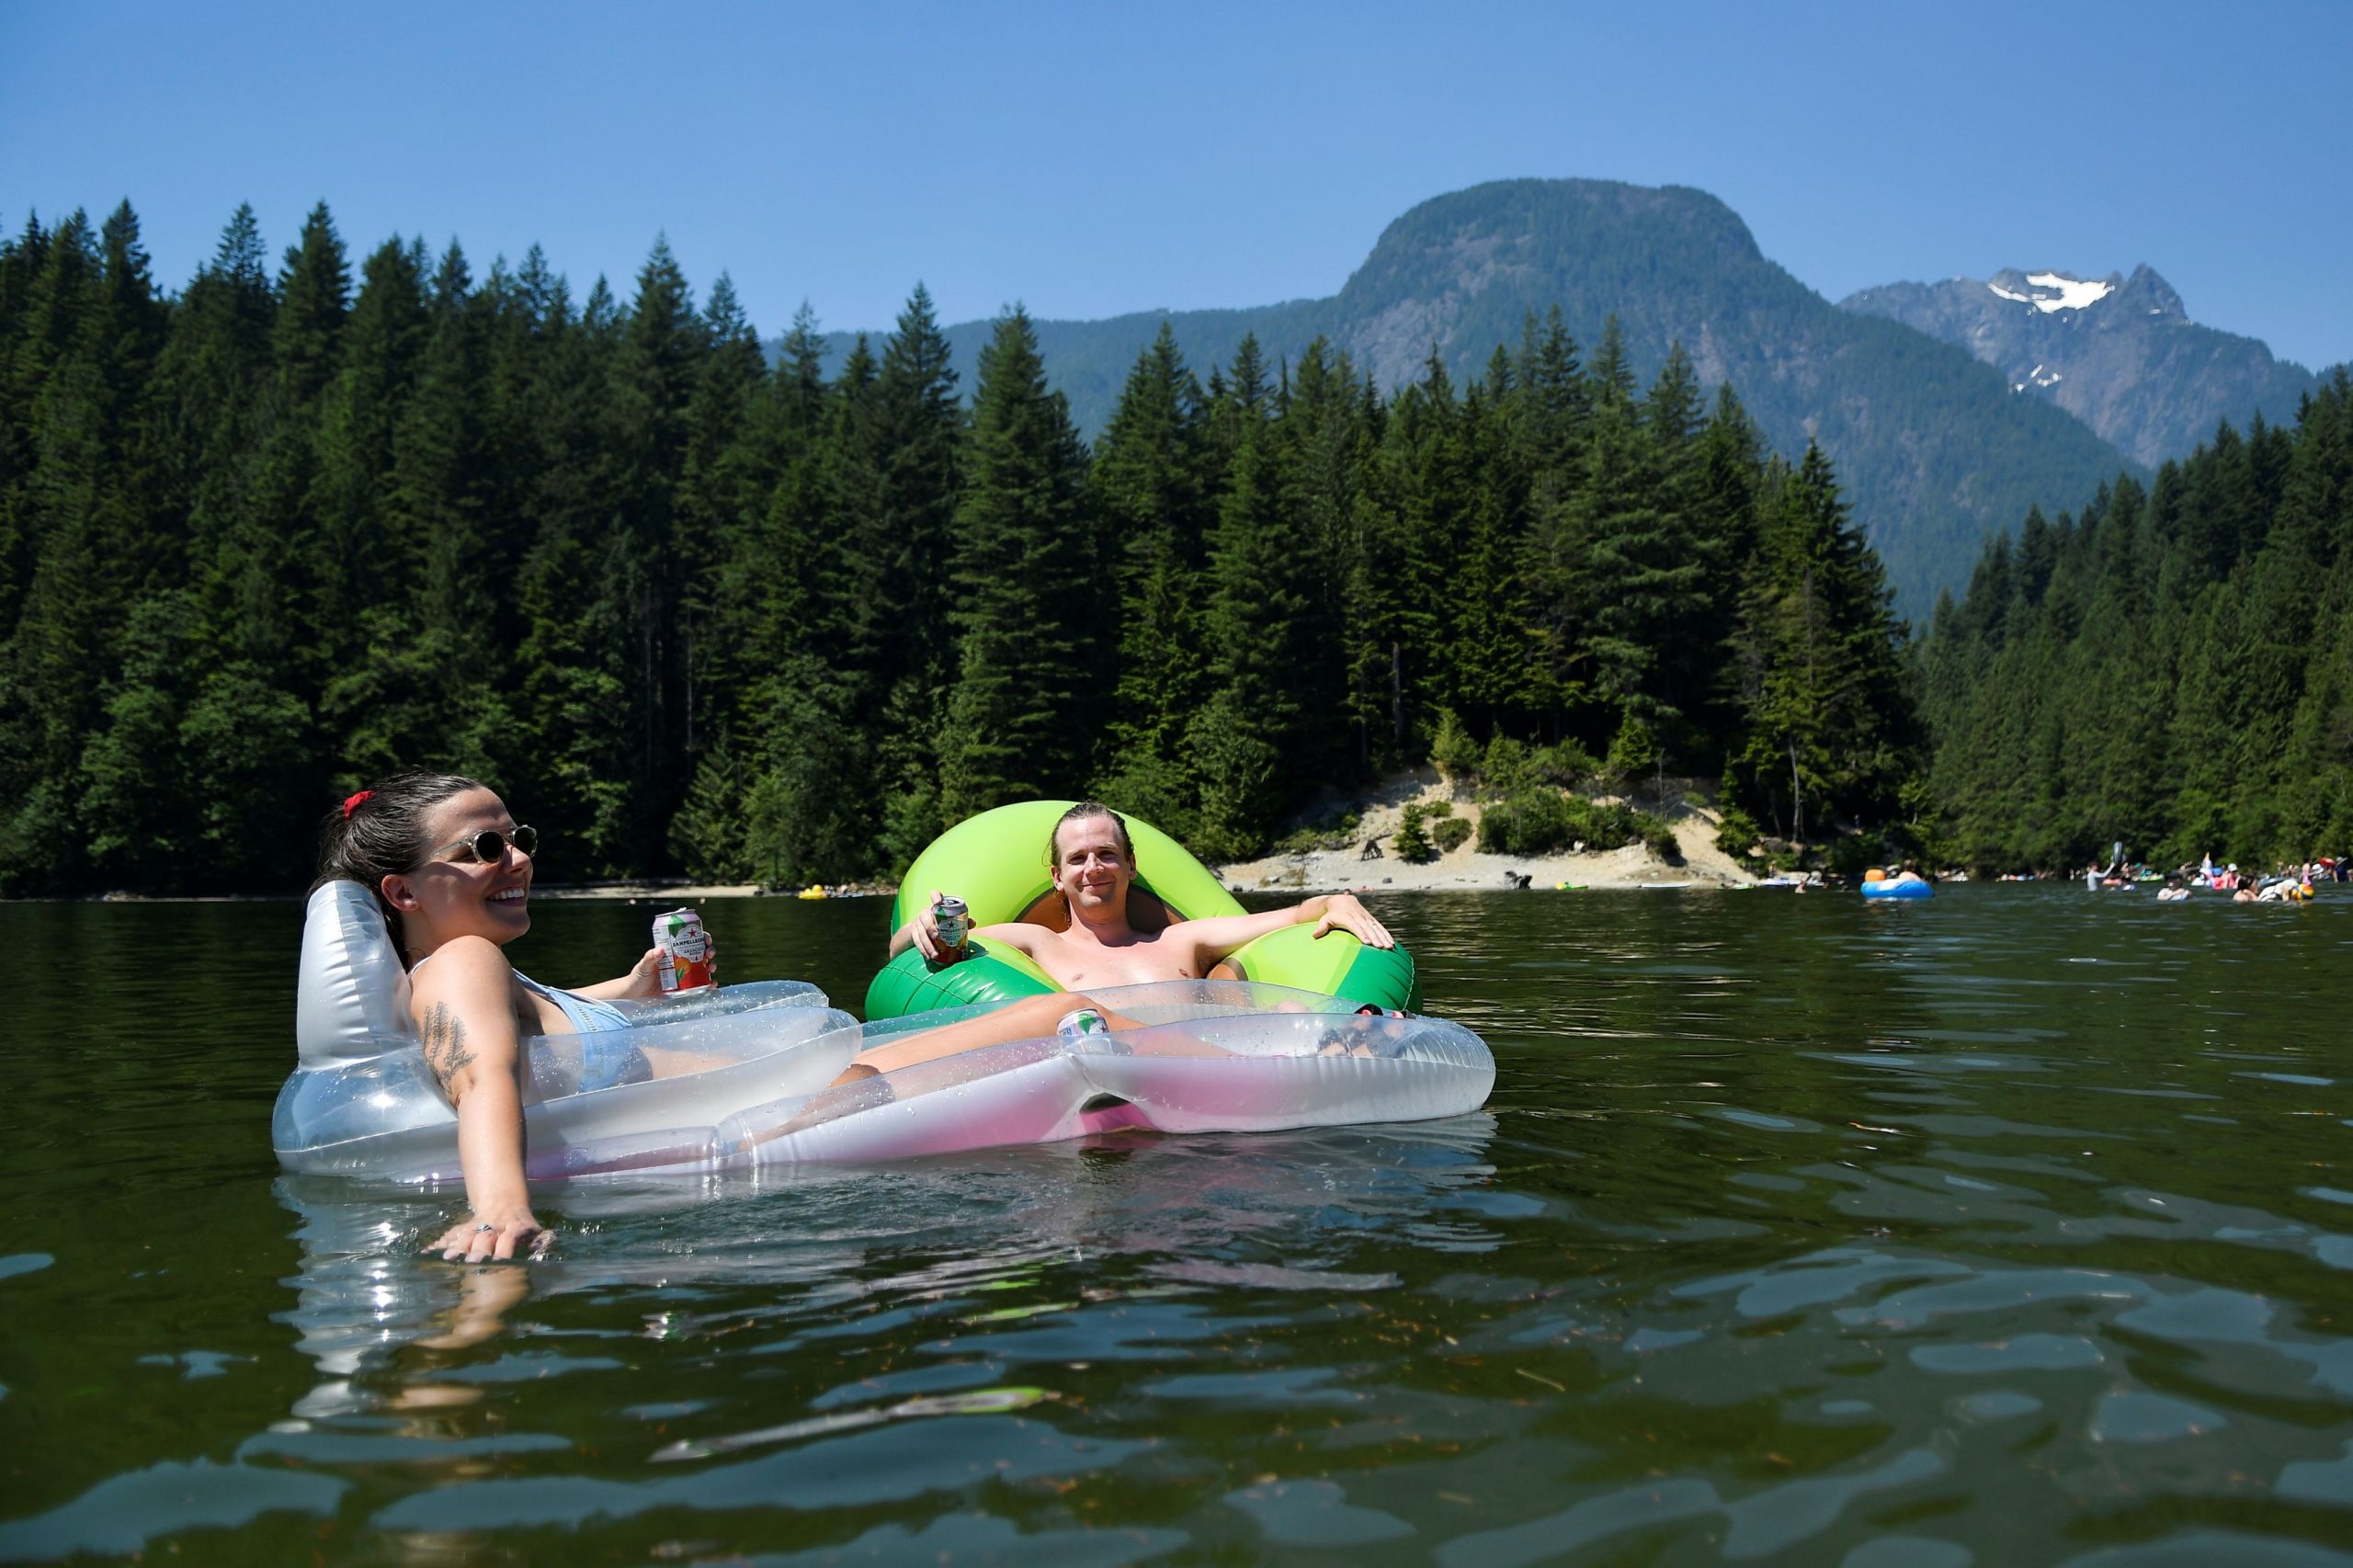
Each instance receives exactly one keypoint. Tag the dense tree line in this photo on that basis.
(2172, 666)
(696, 607)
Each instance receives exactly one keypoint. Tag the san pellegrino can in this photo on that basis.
(685, 952)
(953, 920)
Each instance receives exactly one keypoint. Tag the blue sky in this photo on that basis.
(1088, 160)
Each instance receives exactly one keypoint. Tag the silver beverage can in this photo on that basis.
(686, 965)
(954, 920)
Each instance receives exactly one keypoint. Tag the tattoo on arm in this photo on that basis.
(446, 1050)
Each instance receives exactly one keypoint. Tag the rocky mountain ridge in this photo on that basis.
(1931, 446)
(2120, 353)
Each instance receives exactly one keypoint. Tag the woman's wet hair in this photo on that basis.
(379, 832)
(1079, 813)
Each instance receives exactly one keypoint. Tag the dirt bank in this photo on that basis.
(1690, 811)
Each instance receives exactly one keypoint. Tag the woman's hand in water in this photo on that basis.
(495, 1238)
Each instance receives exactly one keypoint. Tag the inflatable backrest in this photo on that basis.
(351, 997)
(996, 863)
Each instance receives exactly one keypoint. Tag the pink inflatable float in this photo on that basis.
(1212, 1056)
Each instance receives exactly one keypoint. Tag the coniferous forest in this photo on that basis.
(696, 609)
(2171, 668)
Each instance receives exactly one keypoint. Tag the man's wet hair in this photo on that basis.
(1079, 813)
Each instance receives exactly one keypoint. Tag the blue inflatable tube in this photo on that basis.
(1899, 890)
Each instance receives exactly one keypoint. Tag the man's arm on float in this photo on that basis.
(1219, 934)
(923, 934)
(465, 1018)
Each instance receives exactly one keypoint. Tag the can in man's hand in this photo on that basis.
(952, 920)
(685, 952)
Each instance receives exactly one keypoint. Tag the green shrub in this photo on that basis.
(1533, 822)
(1438, 809)
(1505, 770)
(1737, 834)
(1453, 752)
(1568, 765)
(1655, 832)
(1409, 844)
(1632, 750)
(1450, 833)
(1544, 821)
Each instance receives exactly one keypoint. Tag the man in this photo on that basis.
(1094, 864)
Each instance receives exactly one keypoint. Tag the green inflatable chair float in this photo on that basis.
(996, 863)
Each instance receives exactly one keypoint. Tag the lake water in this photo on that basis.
(2011, 1228)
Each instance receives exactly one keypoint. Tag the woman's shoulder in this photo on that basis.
(462, 963)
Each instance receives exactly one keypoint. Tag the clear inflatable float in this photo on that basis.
(1213, 1056)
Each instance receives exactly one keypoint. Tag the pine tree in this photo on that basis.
(575, 746)
(1148, 483)
(915, 443)
(1025, 705)
(1254, 625)
(1827, 729)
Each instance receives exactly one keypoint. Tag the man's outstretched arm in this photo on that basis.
(1215, 937)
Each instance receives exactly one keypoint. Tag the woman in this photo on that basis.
(452, 873)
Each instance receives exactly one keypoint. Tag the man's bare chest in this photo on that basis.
(1075, 967)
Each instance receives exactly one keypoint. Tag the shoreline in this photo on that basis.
(1465, 869)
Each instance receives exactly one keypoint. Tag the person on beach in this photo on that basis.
(1094, 864)
(452, 871)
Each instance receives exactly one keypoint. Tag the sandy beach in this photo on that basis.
(1467, 869)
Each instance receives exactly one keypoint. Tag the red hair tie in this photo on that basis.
(351, 803)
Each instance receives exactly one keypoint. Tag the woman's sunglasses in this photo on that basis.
(489, 846)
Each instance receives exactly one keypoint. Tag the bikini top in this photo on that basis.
(586, 1013)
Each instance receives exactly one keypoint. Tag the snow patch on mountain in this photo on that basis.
(2064, 293)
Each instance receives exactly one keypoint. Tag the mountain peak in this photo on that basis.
(1440, 271)
(2120, 353)
(2145, 294)
(2051, 293)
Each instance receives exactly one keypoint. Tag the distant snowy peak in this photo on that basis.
(2119, 352)
(2053, 292)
